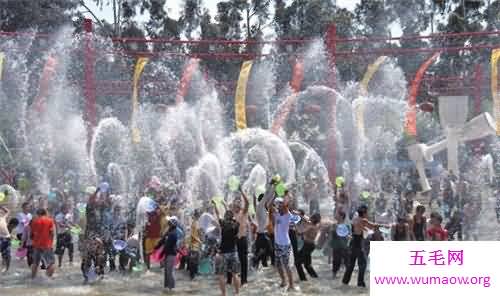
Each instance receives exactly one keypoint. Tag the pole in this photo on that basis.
(89, 78)
(478, 78)
(331, 37)
(432, 16)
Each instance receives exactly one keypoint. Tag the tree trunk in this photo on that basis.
(248, 24)
(115, 20)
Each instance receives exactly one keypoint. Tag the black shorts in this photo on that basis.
(64, 241)
(5, 247)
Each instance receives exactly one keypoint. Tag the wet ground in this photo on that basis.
(68, 280)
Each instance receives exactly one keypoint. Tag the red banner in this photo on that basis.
(187, 75)
(411, 114)
(285, 109)
(48, 72)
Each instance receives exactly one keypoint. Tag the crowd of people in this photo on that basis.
(232, 236)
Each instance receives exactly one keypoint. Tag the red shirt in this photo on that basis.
(438, 234)
(42, 231)
(153, 227)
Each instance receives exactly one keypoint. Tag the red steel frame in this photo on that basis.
(90, 85)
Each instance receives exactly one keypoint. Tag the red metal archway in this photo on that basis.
(471, 85)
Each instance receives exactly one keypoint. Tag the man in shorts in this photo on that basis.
(64, 220)
(42, 233)
(227, 260)
(282, 243)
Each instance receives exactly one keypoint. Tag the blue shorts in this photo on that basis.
(282, 255)
(45, 256)
(227, 262)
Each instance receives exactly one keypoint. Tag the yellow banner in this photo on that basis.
(241, 93)
(2, 57)
(363, 91)
(139, 67)
(495, 56)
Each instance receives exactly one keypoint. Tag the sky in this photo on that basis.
(173, 8)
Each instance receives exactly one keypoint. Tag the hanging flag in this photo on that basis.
(495, 56)
(241, 93)
(2, 57)
(48, 73)
(411, 114)
(285, 109)
(139, 67)
(187, 75)
(363, 91)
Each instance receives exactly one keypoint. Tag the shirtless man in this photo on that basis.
(310, 232)
(241, 216)
(263, 247)
(359, 224)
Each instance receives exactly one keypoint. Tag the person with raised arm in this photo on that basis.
(282, 243)
(227, 260)
(310, 232)
(241, 215)
(359, 224)
(263, 248)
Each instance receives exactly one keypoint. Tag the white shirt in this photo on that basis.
(23, 220)
(281, 228)
(63, 222)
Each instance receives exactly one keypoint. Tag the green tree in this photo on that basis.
(44, 15)
(190, 17)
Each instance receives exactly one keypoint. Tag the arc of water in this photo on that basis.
(139, 68)
(286, 108)
(411, 114)
(187, 75)
(240, 97)
(363, 90)
(6, 148)
(495, 56)
(48, 72)
(2, 58)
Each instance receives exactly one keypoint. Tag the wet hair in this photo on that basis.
(437, 216)
(196, 213)
(341, 214)
(228, 215)
(363, 209)
(12, 224)
(41, 212)
(316, 218)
